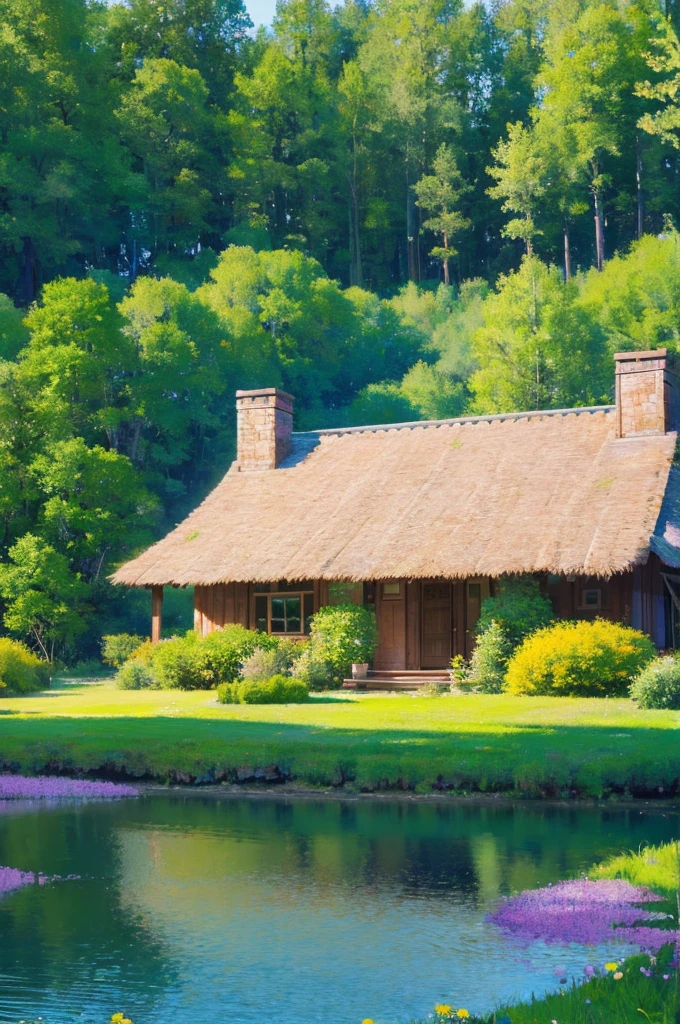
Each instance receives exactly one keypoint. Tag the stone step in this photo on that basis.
(413, 682)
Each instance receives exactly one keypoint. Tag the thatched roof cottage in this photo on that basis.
(421, 518)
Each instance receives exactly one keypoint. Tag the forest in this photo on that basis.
(394, 209)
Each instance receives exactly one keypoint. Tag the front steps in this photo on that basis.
(398, 679)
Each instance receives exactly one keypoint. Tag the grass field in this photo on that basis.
(532, 746)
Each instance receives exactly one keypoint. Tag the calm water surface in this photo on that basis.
(206, 911)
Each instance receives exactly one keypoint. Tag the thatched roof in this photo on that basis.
(528, 492)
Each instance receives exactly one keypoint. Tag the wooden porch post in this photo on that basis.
(156, 613)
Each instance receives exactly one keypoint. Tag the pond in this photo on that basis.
(203, 910)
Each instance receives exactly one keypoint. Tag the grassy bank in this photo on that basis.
(638, 990)
(634, 997)
(532, 746)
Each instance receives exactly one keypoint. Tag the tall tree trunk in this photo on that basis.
(27, 281)
(411, 229)
(446, 261)
(638, 188)
(358, 263)
(355, 239)
(599, 230)
(567, 252)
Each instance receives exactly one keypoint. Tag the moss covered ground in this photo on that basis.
(533, 746)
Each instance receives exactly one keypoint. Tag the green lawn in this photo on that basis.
(535, 746)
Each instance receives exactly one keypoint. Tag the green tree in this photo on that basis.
(73, 373)
(64, 176)
(538, 348)
(206, 35)
(44, 600)
(439, 194)
(165, 120)
(520, 173)
(636, 299)
(588, 106)
(664, 60)
(286, 172)
(95, 507)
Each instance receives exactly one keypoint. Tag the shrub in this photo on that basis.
(312, 667)
(88, 668)
(134, 675)
(489, 661)
(118, 647)
(266, 662)
(21, 671)
(339, 636)
(277, 690)
(658, 685)
(584, 659)
(193, 662)
(224, 652)
(177, 664)
(518, 607)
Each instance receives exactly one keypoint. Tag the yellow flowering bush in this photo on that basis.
(580, 659)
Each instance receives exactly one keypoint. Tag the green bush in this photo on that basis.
(135, 675)
(118, 647)
(223, 652)
(584, 659)
(339, 636)
(489, 661)
(87, 668)
(266, 662)
(277, 690)
(21, 671)
(177, 664)
(658, 685)
(193, 662)
(518, 607)
(312, 667)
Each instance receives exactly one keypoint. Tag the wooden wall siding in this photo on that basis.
(648, 601)
(218, 605)
(617, 597)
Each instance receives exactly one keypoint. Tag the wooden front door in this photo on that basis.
(391, 612)
(436, 627)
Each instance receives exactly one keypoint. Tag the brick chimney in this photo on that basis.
(647, 393)
(264, 428)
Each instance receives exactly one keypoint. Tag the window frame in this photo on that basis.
(285, 595)
(585, 607)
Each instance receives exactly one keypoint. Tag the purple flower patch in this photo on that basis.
(585, 912)
(50, 787)
(12, 878)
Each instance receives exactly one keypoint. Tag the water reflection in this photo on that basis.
(316, 911)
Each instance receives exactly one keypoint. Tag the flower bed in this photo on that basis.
(53, 787)
(587, 912)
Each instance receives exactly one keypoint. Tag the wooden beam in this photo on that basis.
(156, 613)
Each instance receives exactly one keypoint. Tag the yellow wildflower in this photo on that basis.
(442, 1010)
(462, 1015)
(618, 976)
(611, 967)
